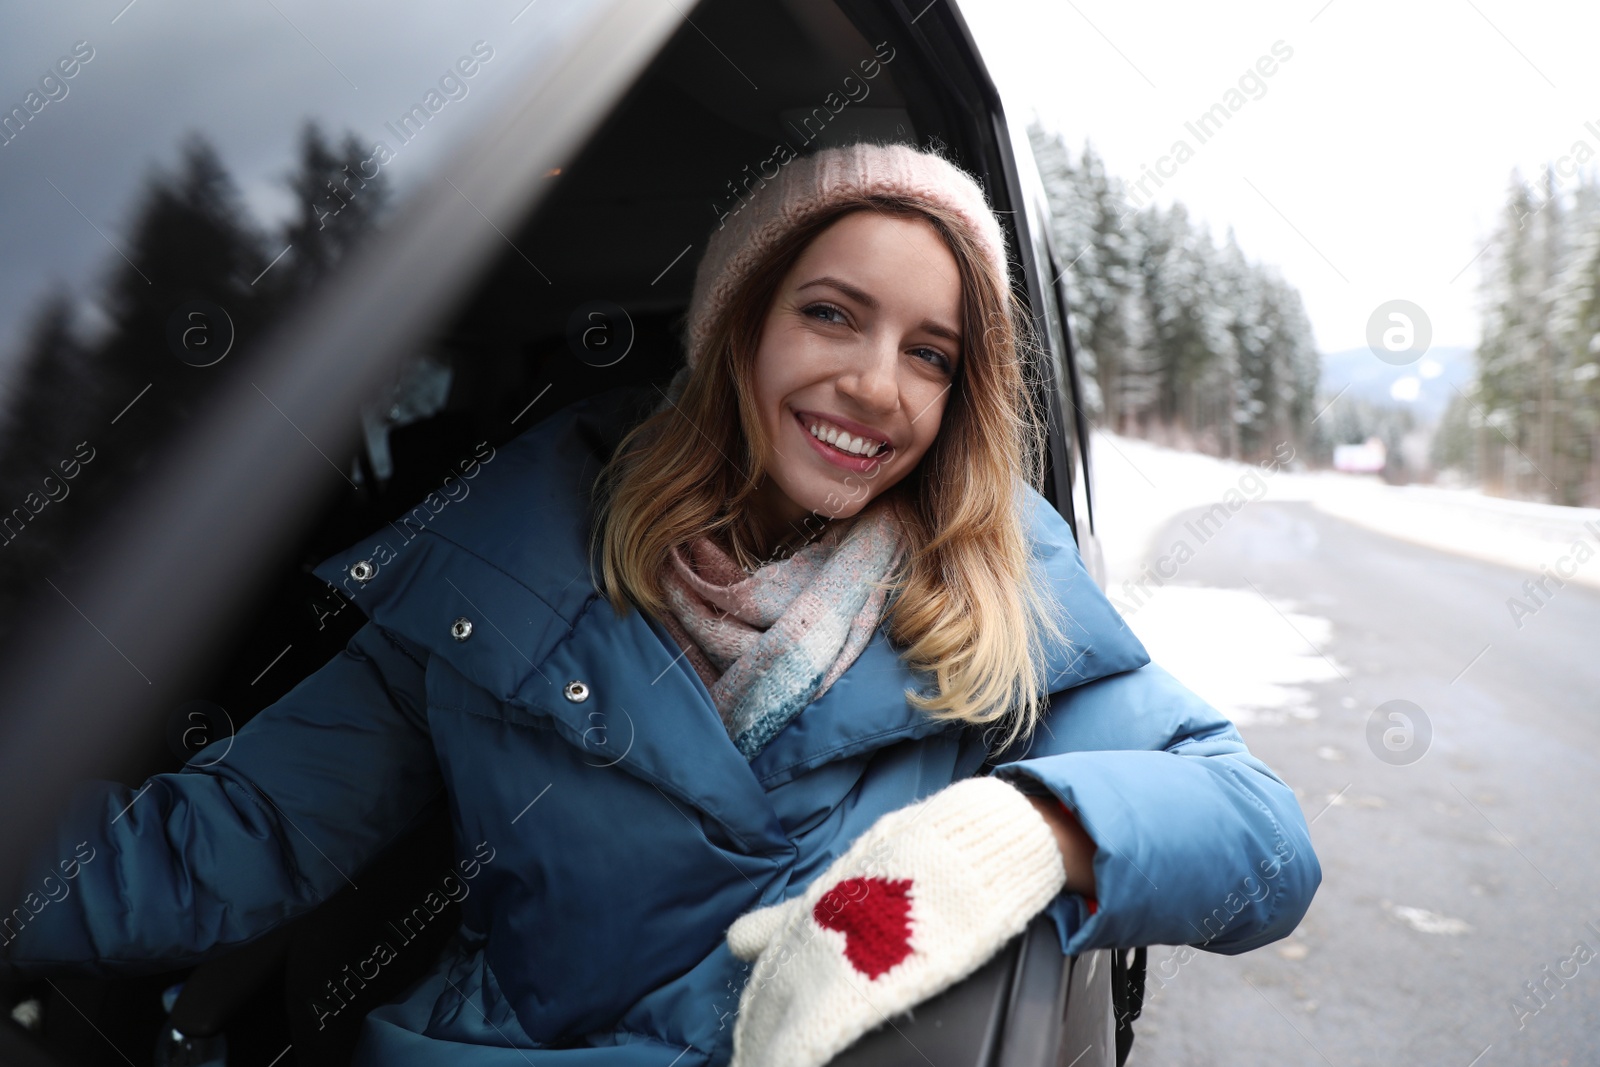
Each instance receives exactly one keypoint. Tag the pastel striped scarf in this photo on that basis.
(769, 642)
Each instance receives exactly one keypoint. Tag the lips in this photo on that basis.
(854, 428)
(838, 457)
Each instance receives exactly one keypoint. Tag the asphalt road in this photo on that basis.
(1449, 880)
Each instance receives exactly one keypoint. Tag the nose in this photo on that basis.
(873, 381)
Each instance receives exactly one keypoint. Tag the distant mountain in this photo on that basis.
(1427, 385)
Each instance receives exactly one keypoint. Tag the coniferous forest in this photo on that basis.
(1178, 338)
(1529, 425)
(1183, 340)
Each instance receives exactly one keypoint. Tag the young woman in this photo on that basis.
(765, 707)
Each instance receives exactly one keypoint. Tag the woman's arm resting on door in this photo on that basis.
(215, 855)
(1195, 840)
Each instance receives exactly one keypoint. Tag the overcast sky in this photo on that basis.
(1376, 162)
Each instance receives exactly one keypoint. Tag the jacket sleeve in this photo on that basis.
(1197, 841)
(136, 881)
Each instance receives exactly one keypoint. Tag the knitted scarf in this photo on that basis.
(769, 642)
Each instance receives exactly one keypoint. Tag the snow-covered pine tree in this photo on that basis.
(1173, 335)
(1575, 326)
(1516, 277)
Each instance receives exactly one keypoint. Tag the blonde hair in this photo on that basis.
(964, 602)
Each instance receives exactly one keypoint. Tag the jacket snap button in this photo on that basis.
(576, 691)
(362, 570)
(461, 629)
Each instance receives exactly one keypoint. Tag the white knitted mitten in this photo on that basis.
(922, 899)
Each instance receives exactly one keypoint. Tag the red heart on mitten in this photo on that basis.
(875, 917)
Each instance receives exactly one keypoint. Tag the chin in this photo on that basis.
(846, 500)
(848, 511)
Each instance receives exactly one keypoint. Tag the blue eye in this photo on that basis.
(944, 361)
(824, 307)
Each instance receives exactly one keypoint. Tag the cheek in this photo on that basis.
(928, 422)
(766, 380)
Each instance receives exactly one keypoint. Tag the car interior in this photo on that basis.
(585, 295)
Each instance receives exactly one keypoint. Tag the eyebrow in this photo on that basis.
(865, 299)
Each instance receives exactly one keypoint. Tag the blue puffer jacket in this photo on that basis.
(613, 829)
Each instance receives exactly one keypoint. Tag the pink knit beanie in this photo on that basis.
(809, 185)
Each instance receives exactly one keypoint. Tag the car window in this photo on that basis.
(178, 177)
(179, 405)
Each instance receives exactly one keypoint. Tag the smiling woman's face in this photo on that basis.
(861, 343)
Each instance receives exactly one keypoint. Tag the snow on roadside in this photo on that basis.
(1248, 656)
(1139, 487)
(1245, 655)
(1541, 539)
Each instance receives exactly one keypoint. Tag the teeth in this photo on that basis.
(845, 442)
